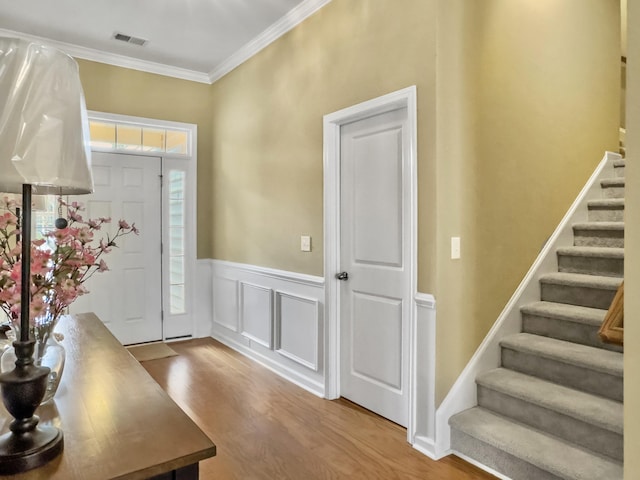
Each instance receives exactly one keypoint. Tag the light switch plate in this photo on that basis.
(455, 248)
(305, 243)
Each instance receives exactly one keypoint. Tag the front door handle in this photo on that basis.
(342, 276)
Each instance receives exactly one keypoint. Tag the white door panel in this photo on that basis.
(375, 239)
(128, 297)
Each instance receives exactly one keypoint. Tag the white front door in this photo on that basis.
(375, 253)
(128, 297)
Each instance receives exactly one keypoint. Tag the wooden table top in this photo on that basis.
(117, 421)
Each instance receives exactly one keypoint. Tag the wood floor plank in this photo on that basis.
(266, 428)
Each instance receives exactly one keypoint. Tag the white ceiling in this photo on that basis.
(198, 40)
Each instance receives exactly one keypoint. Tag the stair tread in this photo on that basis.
(607, 252)
(565, 311)
(599, 225)
(606, 202)
(546, 452)
(581, 280)
(576, 354)
(619, 163)
(592, 409)
(612, 182)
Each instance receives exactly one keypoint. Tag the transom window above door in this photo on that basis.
(130, 138)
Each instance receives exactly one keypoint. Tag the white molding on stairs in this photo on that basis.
(463, 393)
(481, 466)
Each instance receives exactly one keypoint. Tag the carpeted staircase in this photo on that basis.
(554, 410)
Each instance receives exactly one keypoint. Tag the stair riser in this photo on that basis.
(578, 377)
(613, 192)
(609, 267)
(619, 172)
(598, 238)
(589, 436)
(577, 295)
(606, 214)
(565, 330)
(497, 459)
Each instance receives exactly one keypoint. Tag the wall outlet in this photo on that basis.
(455, 248)
(305, 243)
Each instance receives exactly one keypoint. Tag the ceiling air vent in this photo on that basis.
(129, 39)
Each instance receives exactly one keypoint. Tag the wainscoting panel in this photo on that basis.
(423, 436)
(297, 329)
(272, 316)
(256, 313)
(203, 302)
(225, 302)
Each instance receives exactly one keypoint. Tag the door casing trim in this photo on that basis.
(332, 124)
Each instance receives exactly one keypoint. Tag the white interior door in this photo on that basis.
(374, 251)
(128, 297)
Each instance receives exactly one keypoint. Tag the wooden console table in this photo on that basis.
(117, 421)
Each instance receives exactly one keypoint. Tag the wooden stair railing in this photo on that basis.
(612, 329)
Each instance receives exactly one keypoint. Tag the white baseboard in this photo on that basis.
(287, 373)
(481, 466)
(277, 319)
(426, 446)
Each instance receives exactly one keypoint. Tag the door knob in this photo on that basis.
(342, 276)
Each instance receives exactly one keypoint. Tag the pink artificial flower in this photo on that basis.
(102, 266)
(37, 306)
(104, 248)
(74, 216)
(40, 262)
(124, 225)
(84, 235)
(61, 235)
(7, 220)
(94, 224)
(16, 272)
(16, 251)
(88, 258)
(67, 285)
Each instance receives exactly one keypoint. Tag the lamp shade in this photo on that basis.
(44, 129)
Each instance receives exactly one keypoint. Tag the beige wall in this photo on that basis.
(525, 104)
(267, 125)
(130, 92)
(517, 101)
(632, 252)
(528, 101)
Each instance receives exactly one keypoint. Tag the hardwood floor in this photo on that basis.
(267, 428)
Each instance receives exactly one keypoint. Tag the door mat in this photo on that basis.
(151, 351)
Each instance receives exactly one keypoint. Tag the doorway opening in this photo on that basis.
(159, 158)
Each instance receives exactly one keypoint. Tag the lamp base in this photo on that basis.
(29, 450)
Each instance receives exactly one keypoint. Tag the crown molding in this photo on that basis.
(113, 59)
(294, 17)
